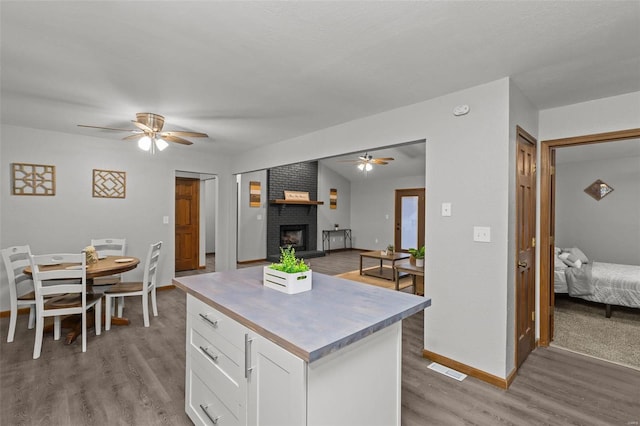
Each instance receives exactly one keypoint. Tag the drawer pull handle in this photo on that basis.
(213, 358)
(206, 318)
(214, 420)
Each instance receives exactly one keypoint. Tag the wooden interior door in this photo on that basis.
(409, 219)
(187, 224)
(551, 247)
(409, 224)
(525, 244)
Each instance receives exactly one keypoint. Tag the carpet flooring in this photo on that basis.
(405, 282)
(581, 326)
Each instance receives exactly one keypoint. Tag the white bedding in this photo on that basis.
(613, 284)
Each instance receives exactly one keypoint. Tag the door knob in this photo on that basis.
(522, 264)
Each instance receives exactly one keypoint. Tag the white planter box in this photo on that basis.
(286, 283)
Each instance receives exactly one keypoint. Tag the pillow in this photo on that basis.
(559, 264)
(578, 253)
(570, 260)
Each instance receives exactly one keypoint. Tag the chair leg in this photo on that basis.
(98, 321)
(120, 306)
(57, 325)
(107, 313)
(145, 309)
(154, 303)
(84, 331)
(37, 346)
(32, 317)
(12, 324)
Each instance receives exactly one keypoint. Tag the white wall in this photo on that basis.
(467, 164)
(341, 215)
(210, 196)
(598, 116)
(67, 221)
(524, 114)
(373, 210)
(607, 230)
(252, 221)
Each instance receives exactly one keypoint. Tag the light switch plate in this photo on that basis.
(446, 209)
(482, 234)
(165, 220)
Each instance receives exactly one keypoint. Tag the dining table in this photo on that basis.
(109, 265)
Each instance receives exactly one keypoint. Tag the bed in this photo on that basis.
(606, 283)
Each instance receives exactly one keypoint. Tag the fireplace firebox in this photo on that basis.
(294, 236)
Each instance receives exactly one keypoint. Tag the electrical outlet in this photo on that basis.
(482, 234)
(446, 209)
(376, 241)
(165, 219)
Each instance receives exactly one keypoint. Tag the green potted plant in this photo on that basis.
(290, 275)
(418, 255)
(390, 249)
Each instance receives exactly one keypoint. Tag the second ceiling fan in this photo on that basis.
(365, 162)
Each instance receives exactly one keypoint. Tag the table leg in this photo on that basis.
(397, 277)
(360, 265)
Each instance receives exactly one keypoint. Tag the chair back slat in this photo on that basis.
(15, 259)
(151, 265)
(77, 271)
(110, 246)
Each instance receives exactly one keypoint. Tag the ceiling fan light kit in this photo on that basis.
(149, 133)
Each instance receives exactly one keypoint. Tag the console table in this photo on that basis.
(326, 237)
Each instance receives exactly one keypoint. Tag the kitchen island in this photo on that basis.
(329, 356)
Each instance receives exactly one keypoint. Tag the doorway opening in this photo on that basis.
(194, 222)
(547, 219)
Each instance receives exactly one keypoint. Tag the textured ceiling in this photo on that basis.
(253, 73)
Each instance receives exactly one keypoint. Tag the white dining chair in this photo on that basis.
(74, 301)
(21, 291)
(145, 288)
(109, 247)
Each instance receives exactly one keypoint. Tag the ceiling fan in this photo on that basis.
(149, 132)
(365, 162)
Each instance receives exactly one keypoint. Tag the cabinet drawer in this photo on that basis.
(220, 372)
(204, 407)
(217, 322)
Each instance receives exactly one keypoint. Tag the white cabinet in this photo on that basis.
(276, 385)
(235, 376)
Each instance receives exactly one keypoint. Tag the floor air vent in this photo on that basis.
(447, 371)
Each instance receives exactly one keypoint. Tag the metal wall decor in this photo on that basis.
(254, 194)
(109, 184)
(333, 198)
(598, 190)
(33, 179)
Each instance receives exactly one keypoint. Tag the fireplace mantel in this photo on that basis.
(283, 203)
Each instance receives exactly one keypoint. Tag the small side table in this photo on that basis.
(326, 237)
(410, 269)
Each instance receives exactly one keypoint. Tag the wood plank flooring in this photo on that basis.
(135, 376)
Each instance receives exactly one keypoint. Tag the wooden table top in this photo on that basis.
(377, 254)
(408, 267)
(110, 265)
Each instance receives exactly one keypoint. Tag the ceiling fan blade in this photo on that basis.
(378, 161)
(384, 158)
(185, 134)
(176, 139)
(142, 126)
(134, 136)
(106, 128)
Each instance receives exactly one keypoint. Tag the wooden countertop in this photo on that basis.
(312, 324)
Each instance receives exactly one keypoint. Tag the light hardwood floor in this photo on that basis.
(135, 376)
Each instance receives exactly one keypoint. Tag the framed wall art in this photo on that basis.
(109, 184)
(33, 179)
(254, 194)
(333, 198)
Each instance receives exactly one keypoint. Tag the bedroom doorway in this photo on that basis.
(547, 219)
